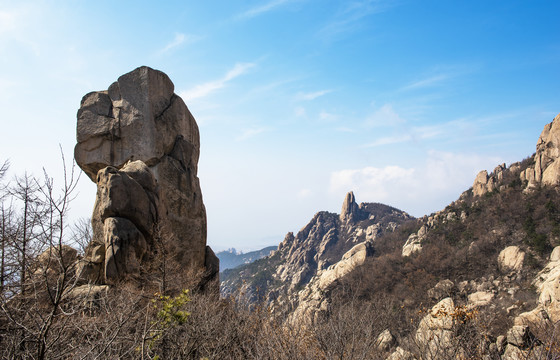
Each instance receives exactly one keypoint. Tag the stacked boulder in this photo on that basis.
(140, 144)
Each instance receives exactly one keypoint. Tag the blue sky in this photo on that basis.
(298, 101)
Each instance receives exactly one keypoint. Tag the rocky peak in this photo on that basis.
(140, 144)
(350, 209)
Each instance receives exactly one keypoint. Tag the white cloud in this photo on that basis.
(202, 90)
(370, 182)
(420, 189)
(312, 95)
(259, 10)
(249, 133)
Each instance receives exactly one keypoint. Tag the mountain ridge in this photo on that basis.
(232, 258)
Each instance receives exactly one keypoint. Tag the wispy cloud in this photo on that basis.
(428, 82)
(261, 9)
(439, 75)
(388, 140)
(327, 117)
(177, 41)
(250, 133)
(345, 129)
(350, 18)
(448, 129)
(205, 89)
(312, 95)
(400, 130)
(8, 21)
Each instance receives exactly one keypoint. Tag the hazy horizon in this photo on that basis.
(297, 101)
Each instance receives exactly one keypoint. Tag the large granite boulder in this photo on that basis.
(350, 260)
(511, 259)
(140, 144)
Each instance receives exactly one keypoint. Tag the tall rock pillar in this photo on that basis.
(140, 144)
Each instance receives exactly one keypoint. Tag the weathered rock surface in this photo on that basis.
(414, 242)
(401, 354)
(137, 118)
(434, 335)
(444, 288)
(385, 341)
(547, 283)
(55, 258)
(480, 298)
(511, 259)
(544, 171)
(350, 210)
(350, 260)
(547, 163)
(140, 144)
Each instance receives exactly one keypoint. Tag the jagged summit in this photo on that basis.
(317, 249)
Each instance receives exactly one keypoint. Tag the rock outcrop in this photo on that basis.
(140, 144)
(544, 170)
(547, 283)
(350, 260)
(350, 210)
(484, 183)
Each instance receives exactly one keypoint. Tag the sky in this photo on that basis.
(297, 101)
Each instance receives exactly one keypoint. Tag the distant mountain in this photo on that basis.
(316, 249)
(232, 258)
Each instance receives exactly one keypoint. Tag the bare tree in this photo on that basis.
(82, 234)
(5, 222)
(26, 190)
(34, 309)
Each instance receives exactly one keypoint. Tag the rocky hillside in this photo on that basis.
(319, 249)
(478, 279)
(232, 258)
(485, 268)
